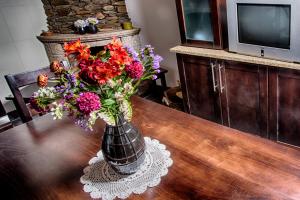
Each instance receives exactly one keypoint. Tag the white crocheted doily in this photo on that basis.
(102, 182)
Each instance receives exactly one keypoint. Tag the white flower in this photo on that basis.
(48, 92)
(107, 117)
(119, 81)
(119, 96)
(128, 88)
(111, 83)
(92, 119)
(57, 111)
(80, 23)
(126, 109)
(35, 94)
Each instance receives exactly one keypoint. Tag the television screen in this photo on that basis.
(264, 24)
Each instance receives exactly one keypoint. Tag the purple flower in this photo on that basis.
(82, 122)
(60, 88)
(88, 102)
(81, 85)
(147, 51)
(133, 53)
(150, 50)
(135, 70)
(71, 79)
(143, 53)
(156, 61)
(154, 77)
(69, 95)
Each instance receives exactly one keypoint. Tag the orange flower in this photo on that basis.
(42, 80)
(118, 55)
(72, 47)
(115, 44)
(81, 51)
(56, 67)
(84, 54)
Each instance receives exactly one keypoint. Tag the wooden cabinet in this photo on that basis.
(198, 76)
(244, 96)
(284, 95)
(230, 93)
(203, 23)
(257, 99)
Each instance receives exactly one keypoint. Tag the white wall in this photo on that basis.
(20, 22)
(158, 20)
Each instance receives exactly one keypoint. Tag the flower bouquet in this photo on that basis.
(92, 22)
(80, 26)
(100, 87)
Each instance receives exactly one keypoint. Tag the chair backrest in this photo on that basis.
(15, 81)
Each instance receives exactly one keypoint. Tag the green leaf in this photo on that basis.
(110, 93)
(105, 57)
(108, 102)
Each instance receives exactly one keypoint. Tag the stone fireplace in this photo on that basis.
(61, 15)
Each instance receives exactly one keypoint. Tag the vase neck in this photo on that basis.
(119, 121)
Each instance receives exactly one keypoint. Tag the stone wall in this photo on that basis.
(61, 14)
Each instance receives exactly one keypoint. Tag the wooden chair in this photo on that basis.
(16, 81)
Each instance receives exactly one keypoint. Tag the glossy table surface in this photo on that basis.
(44, 159)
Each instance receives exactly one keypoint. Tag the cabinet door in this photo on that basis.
(200, 95)
(284, 98)
(202, 22)
(244, 97)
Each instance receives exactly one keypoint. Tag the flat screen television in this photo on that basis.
(265, 28)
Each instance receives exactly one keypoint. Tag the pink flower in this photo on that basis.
(135, 70)
(88, 102)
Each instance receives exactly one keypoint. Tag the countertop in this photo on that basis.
(225, 55)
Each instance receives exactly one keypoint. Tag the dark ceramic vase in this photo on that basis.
(91, 28)
(123, 147)
(80, 30)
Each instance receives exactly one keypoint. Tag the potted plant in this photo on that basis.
(91, 27)
(80, 26)
(100, 87)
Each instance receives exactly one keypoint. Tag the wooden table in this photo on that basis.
(44, 159)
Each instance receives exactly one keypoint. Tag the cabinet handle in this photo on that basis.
(220, 77)
(212, 65)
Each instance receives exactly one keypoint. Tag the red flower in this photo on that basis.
(81, 51)
(96, 71)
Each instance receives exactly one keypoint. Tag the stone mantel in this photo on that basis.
(102, 35)
(54, 43)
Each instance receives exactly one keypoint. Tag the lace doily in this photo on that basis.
(102, 182)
